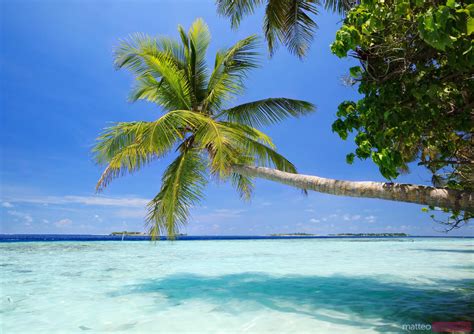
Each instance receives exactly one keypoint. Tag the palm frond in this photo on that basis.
(237, 9)
(266, 156)
(299, 27)
(274, 23)
(290, 23)
(243, 184)
(127, 147)
(128, 160)
(340, 6)
(230, 68)
(229, 144)
(173, 79)
(268, 111)
(217, 140)
(199, 39)
(182, 187)
(242, 130)
(159, 67)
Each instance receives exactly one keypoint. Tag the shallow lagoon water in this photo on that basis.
(218, 286)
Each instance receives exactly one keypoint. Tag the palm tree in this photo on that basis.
(212, 139)
(208, 136)
(288, 21)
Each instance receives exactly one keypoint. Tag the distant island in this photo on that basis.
(127, 233)
(370, 235)
(293, 235)
(133, 233)
(299, 234)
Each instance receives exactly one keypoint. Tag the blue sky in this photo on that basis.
(59, 89)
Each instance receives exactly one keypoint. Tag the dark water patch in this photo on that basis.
(22, 271)
(85, 328)
(128, 326)
(462, 266)
(363, 297)
(440, 250)
(383, 239)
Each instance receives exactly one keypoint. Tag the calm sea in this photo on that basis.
(314, 285)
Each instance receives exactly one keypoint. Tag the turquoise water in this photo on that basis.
(255, 286)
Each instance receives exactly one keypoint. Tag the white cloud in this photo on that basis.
(314, 220)
(7, 205)
(84, 200)
(348, 217)
(370, 219)
(98, 218)
(63, 222)
(21, 215)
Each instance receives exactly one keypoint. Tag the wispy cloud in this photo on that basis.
(7, 205)
(344, 217)
(348, 217)
(25, 217)
(370, 219)
(98, 218)
(83, 200)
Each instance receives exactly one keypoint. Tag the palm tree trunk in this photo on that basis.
(438, 197)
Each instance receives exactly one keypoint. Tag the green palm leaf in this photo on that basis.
(267, 111)
(237, 9)
(289, 22)
(243, 184)
(299, 27)
(230, 68)
(198, 40)
(182, 187)
(127, 147)
(159, 67)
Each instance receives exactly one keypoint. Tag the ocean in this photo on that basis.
(220, 285)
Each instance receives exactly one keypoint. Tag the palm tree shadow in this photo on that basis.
(363, 299)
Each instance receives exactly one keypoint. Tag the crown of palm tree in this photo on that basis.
(208, 137)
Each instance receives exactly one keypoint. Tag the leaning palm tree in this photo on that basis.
(289, 22)
(209, 137)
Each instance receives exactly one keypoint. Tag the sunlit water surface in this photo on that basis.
(315, 285)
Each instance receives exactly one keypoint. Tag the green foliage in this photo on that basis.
(415, 75)
(416, 78)
(209, 138)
